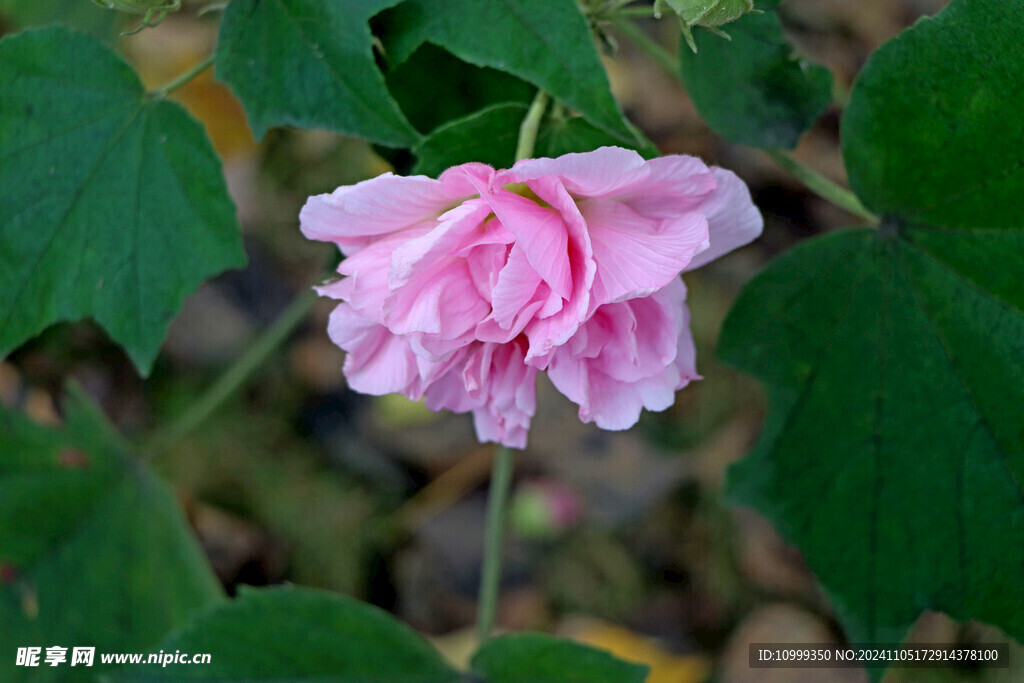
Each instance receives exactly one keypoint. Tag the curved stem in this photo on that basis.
(822, 186)
(235, 376)
(487, 604)
(530, 126)
(165, 90)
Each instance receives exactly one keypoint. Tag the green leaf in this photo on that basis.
(927, 135)
(543, 659)
(300, 634)
(894, 455)
(753, 90)
(94, 550)
(433, 88)
(309, 63)
(546, 42)
(491, 134)
(111, 204)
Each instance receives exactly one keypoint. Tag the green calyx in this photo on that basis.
(711, 14)
(152, 11)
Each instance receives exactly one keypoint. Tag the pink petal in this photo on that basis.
(733, 220)
(378, 362)
(590, 174)
(352, 216)
(440, 300)
(644, 334)
(485, 263)
(367, 271)
(511, 397)
(541, 233)
(674, 185)
(635, 255)
(467, 180)
(547, 333)
(417, 253)
(449, 393)
(645, 353)
(516, 285)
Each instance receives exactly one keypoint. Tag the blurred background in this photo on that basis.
(619, 539)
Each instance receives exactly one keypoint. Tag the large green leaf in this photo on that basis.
(94, 550)
(753, 90)
(112, 204)
(894, 453)
(543, 659)
(300, 634)
(546, 42)
(309, 63)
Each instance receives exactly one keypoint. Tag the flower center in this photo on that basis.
(523, 190)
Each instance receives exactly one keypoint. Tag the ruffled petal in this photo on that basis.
(542, 235)
(636, 255)
(377, 362)
(589, 174)
(353, 216)
(733, 220)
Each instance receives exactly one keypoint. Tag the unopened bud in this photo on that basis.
(711, 14)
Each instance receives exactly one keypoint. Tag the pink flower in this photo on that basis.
(459, 290)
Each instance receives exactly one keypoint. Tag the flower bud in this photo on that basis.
(707, 13)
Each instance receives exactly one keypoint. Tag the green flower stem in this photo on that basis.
(530, 126)
(497, 502)
(814, 181)
(165, 90)
(822, 186)
(235, 376)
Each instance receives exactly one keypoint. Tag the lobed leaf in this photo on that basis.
(894, 454)
(94, 550)
(111, 204)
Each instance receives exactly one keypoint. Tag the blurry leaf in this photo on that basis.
(84, 16)
(894, 454)
(309, 63)
(546, 42)
(544, 659)
(300, 634)
(433, 87)
(753, 90)
(94, 550)
(491, 135)
(112, 204)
